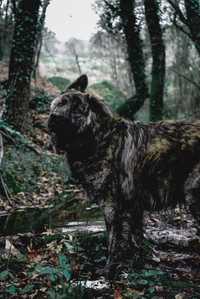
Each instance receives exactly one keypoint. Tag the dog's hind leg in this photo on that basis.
(192, 194)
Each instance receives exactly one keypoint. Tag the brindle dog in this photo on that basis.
(127, 167)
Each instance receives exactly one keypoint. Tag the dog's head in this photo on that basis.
(73, 113)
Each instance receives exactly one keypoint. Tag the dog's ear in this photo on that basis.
(79, 84)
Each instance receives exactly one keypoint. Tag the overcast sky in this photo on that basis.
(71, 18)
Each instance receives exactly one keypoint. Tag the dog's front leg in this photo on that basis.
(125, 235)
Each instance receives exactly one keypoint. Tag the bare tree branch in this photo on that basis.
(187, 79)
(182, 29)
(109, 5)
(179, 12)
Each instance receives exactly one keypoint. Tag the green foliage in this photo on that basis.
(41, 100)
(60, 82)
(4, 275)
(98, 254)
(109, 13)
(62, 271)
(150, 280)
(110, 93)
(67, 262)
(147, 280)
(52, 276)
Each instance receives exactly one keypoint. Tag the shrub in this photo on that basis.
(60, 82)
(41, 100)
(110, 93)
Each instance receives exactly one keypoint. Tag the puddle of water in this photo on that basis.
(83, 226)
(159, 234)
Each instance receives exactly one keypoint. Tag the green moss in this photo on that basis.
(23, 169)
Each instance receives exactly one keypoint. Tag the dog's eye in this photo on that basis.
(64, 100)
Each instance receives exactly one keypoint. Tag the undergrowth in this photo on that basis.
(24, 170)
(41, 100)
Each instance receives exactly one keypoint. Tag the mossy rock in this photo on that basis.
(60, 82)
(24, 176)
(110, 93)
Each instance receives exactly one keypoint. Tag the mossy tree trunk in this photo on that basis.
(158, 56)
(22, 62)
(41, 24)
(135, 56)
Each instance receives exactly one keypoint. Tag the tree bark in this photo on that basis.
(192, 8)
(135, 57)
(4, 27)
(40, 35)
(191, 20)
(158, 56)
(22, 63)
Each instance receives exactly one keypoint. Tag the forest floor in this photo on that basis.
(53, 241)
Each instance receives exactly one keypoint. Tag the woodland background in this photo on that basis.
(144, 60)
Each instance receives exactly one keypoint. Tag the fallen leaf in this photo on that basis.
(117, 294)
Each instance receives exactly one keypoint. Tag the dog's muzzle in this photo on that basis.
(58, 129)
(62, 132)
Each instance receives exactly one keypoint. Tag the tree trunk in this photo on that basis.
(3, 30)
(191, 20)
(192, 8)
(40, 36)
(22, 62)
(158, 56)
(135, 57)
(77, 63)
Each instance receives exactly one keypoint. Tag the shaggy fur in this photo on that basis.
(127, 167)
